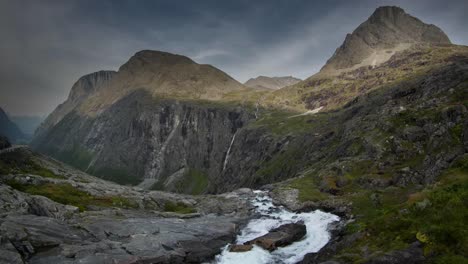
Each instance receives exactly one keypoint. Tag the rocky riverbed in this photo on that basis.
(51, 213)
(268, 217)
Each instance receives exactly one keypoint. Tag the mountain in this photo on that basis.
(163, 112)
(27, 124)
(388, 30)
(388, 33)
(160, 74)
(85, 87)
(9, 129)
(272, 83)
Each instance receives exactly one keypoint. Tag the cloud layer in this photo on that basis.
(47, 45)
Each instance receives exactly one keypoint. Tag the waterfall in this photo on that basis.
(229, 151)
(157, 162)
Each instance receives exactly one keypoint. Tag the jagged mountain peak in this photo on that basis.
(387, 31)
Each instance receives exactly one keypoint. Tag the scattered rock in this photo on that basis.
(280, 236)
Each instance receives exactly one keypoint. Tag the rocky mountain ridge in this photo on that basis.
(388, 30)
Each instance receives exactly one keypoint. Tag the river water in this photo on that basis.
(269, 217)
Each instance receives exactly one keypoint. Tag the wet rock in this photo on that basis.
(280, 236)
(240, 248)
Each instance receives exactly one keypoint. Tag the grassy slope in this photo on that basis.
(22, 162)
(332, 92)
(395, 216)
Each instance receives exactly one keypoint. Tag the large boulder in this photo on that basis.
(281, 236)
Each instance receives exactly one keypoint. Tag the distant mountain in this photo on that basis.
(27, 124)
(9, 129)
(388, 30)
(272, 83)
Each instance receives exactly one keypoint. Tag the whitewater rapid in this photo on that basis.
(271, 216)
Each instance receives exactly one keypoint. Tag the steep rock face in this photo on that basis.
(8, 128)
(388, 30)
(153, 118)
(140, 138)
(272, 83)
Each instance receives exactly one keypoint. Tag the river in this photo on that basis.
(270, 216)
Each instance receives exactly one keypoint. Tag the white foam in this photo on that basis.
(271, 216)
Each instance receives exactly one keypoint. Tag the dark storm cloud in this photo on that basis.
(47, 45)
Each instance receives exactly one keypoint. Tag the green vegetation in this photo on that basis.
(193, 182)
(67, 194)
(118, 175)
(308, 190)
(19, 162)
(285, 122)
(78, 156)
(179, 208)
(284, 162)
(436, 216)
(334, 92)
(394, 217)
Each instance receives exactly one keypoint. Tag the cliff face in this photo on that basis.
(156, 120)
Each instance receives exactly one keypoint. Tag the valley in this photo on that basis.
(170, 161)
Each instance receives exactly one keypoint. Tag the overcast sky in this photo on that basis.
(47, 45)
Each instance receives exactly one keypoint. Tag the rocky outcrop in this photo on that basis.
(281, 236)
(271, 83)
(388, 30)
(137, 226)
